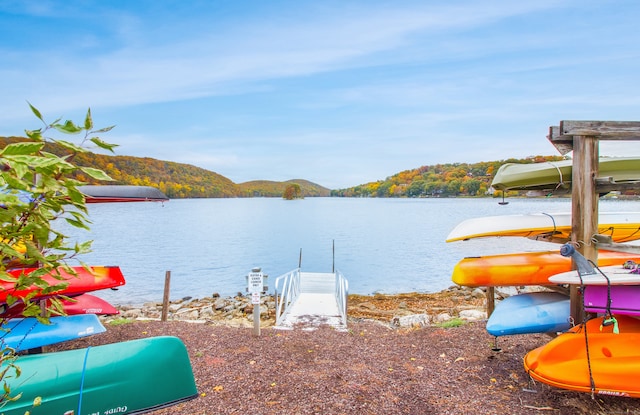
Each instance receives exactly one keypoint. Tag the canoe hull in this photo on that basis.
(28, 333)
(621, 226)
(557, 174)
(539, 312)
(121, 193)
(527, 268)
(132, 377)
(614, 359)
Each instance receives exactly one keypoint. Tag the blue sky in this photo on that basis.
(336, 92)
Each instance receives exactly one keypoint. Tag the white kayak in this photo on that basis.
(621, 226)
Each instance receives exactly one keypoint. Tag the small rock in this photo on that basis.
(412, 320)
(442, 317)
(473, 315)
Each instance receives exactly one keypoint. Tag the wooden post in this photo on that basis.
(165, 298)
(491, 300)
(584, 208)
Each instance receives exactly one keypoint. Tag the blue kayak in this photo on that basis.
(28, 333)
(539, 312)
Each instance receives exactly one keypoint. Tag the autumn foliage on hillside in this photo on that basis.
(176, 180)
(439, 180)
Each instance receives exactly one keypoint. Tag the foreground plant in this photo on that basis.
(38, 187)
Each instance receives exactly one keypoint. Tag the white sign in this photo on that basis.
(255, 282)
(255, 298)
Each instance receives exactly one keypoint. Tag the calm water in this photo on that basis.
(381, 245)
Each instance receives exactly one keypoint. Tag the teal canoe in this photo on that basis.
(554, 175)
(132, 377)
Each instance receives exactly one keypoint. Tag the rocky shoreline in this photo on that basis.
(456, 303)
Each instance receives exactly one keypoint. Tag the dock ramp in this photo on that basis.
(308, 300)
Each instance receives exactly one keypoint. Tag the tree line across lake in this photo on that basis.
(178, 180)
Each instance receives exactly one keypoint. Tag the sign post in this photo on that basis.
(255, 286)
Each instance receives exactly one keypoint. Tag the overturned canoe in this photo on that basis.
(600, 356)
(552, 175)
(132, 377)
(121, 193)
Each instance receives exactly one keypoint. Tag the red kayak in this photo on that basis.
(81, 304)
(96, 278)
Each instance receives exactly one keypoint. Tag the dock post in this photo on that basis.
(165, 298)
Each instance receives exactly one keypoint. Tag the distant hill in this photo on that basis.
(177, 180)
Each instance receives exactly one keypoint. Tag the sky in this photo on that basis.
(338, 92)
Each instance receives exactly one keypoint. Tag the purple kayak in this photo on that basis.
(625, 299)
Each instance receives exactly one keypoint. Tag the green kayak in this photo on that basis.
(132, 377)
(553, 175)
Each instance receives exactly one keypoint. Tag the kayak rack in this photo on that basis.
(311, 299)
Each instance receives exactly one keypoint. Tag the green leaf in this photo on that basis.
(96, 173)
(71, 146)
(103, 130)
(68, 127)
(88, 121)
(35, 111)
(34, 134)
(22, 148)
(97, 141)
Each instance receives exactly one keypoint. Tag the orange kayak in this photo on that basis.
(97, 278)
(612, 366)
(526, 268)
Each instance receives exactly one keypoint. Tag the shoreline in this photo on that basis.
(397, 310)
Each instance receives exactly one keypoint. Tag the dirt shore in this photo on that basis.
(370, 369)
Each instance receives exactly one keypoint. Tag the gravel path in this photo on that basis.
(371, 369)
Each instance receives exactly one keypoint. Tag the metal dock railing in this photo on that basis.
(311, 299)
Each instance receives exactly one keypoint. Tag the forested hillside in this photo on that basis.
(177, 180)
(439, 180)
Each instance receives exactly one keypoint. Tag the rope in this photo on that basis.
(553, 221)
(586, 341)
(561, 181)
(84, 368)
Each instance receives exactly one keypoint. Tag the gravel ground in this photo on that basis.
(370, 369)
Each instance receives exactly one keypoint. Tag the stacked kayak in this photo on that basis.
(80, 304)
(621, 226)
(80, 281)
(537, 312)
(594, 357)
(132, 377)
(22, 334)
(526, 268)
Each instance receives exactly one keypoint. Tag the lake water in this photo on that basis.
(381, 245)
